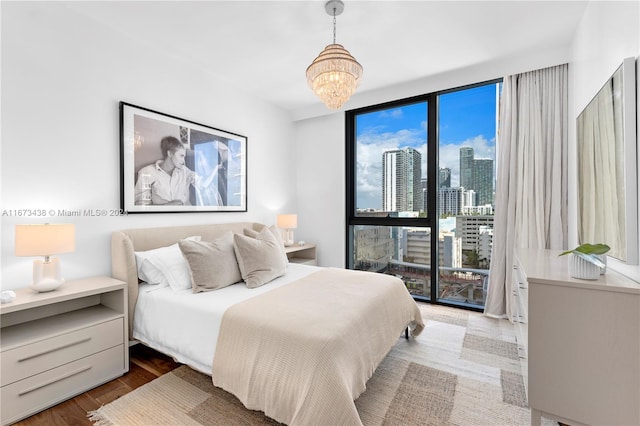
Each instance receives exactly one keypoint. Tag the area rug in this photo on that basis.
(462, 370)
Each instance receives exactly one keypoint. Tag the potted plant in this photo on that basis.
(587, 260)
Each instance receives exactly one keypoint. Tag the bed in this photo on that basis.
(299, 347)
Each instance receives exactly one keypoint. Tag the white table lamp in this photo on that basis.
(287, 222)
(45, 240)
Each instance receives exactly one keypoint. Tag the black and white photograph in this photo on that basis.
(174, 165)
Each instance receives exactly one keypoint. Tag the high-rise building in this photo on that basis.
(476, 174)
(425, 194)
(487, 209)
(374, 247)
(485, 244)
(483, 181)
(453, 201)
(417, 248)
(417, 245)
(466, 167)
(401, 180)
(468, 230)
(451, 250)
(444, 180)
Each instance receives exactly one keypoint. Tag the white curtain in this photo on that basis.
(531, 185)
(600, 148)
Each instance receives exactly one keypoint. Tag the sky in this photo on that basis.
(466, 118)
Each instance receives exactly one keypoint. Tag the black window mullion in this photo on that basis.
(432, 187)
(350, 190)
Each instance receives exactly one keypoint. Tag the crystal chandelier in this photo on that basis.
(334, 74)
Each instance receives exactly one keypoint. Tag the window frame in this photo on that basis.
(433, 162)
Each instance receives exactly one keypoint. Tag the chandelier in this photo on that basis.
(334, 74)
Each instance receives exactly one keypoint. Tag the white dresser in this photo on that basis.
(61, 343)
(519, 316)
(580, 340)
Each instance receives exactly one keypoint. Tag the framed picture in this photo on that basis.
(169, 164)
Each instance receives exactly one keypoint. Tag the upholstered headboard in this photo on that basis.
(125, 243)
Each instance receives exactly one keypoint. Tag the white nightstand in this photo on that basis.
(58, 344)
(305, 254)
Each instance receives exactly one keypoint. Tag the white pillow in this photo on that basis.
(165, 266)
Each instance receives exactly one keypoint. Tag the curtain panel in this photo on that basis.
(599, 122)
(531, 175)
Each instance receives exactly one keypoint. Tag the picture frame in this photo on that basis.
(173, 165)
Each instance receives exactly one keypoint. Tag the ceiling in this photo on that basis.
(264, 47)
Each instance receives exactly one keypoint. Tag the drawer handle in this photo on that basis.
(57, 379)
(48, 351)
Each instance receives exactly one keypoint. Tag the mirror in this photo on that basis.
(607, 167)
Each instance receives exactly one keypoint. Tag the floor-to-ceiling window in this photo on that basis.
(420, 191)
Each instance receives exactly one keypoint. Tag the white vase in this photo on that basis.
(583, 269)
(603, 259)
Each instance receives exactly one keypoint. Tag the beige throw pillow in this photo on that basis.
(276, 233)
(212, 264)
(260, 258)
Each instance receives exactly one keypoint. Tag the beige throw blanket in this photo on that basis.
(303, 353)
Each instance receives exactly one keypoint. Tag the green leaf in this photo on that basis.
(588, 249)
(593, 248)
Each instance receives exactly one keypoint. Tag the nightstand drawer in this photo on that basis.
(46, 354)
(43, 390)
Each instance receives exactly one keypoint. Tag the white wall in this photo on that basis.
(608, 33)
(62, 78)
(320, 172)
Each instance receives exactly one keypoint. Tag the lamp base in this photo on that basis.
(287, 238)
(47, 276)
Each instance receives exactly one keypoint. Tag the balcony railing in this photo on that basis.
(466, 286)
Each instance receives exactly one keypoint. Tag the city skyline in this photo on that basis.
(467, 118)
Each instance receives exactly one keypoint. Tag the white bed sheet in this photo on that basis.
(185, 325)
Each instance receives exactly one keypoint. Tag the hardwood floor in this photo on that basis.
(145, 364)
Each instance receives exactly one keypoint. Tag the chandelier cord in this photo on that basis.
(334, 25)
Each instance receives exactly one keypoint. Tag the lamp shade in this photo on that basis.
(45, 239)
(287, 221)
